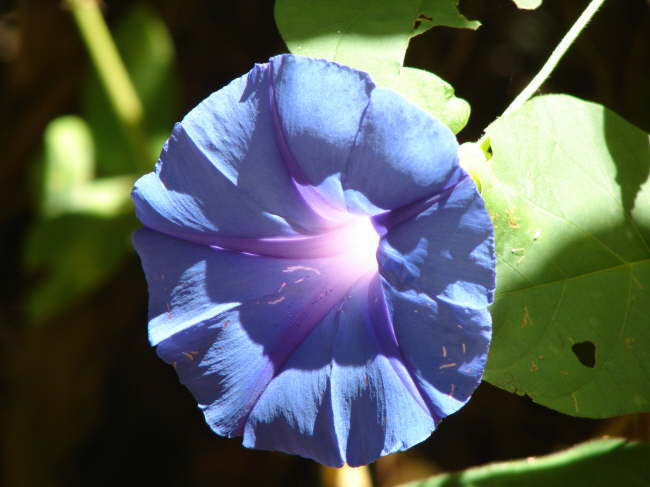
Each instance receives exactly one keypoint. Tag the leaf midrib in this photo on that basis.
(574, 278)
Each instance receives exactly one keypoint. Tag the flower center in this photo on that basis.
(357, 243)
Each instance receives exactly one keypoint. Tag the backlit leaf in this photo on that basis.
(569, 194)
(528, 4)
(373, 36)
(68, 162)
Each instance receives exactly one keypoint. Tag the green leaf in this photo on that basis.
(528, 4)
(74, 253)
(104, 197)
(433, 95)
(568, 191)
(68, 161)
(148, 54)
(445, 12)
(369, 35)
(373, 36)
(72, 242)
(600, 463)
(68, 167)
(83, 230)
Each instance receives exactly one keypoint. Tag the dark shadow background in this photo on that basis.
(85, 401)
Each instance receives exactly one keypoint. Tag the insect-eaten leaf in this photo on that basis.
(568, 190)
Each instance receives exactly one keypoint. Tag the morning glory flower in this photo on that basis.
(319, 265)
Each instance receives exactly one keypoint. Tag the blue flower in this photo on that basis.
(319, 265)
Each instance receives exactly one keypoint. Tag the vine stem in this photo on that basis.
(553, 60)
(112, 73)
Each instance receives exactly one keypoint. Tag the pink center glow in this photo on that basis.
(356, 243)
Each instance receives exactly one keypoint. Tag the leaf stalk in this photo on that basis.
(112, 73)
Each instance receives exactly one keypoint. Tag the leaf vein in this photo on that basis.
(574, 224)
(574, 278)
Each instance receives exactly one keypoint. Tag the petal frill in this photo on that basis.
(445, 250)
(365, 149)
(345, 395)
(221, 173)
(444, 346)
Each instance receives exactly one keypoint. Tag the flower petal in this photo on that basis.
(221, 172)
(263, 295)
(445, 251)
(186, 281)
(229, 321)
(365, 148)
(401, 155)
(378, 403)
(444, 346)
(319, 106)
(345, 395)
(294, 414)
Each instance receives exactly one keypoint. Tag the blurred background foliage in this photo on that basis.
(84, 400)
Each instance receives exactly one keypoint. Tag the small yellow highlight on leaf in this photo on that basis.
(527, 4)
(473, 159)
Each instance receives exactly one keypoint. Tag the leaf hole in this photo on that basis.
(585, 353)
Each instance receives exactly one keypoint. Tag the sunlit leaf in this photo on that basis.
(373, 36)
(587, 464)
(68, 168)
(528, 4)
(148, 54)
(432, 94)
(103, 197)
(441, 12)
(568, 191)
(72, 244)
(68, 162)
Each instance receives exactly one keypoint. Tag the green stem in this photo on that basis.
(112, 73)
(556, 55)
(553, 59)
